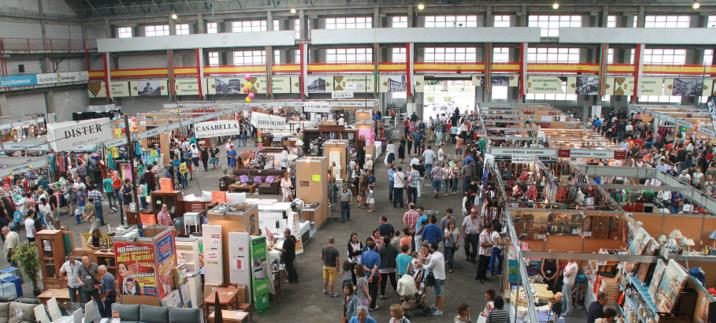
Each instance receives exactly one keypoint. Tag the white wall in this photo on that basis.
(71, 65)
(96, 31)
(55, 7)
(24, 104)
(133, 105)
(63, 31)
(19, 29)
(142, 61)
(69, 100)
(31, 66)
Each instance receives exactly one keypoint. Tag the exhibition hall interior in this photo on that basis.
(358, 161)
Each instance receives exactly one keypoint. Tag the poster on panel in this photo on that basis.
(651, 86)
(370, 83)
(621, 85)
(707, 87)
(545, 84)
(295, 84)
(588, 85)
(687, 87)
(98, 89)
(499, 80)
(186, 86)
(135, 263)
(419, 83)
(393, 83)
(79, 135)
(227, 86)
(354, 83)
(281, 84)
(319, 84)
(153, 87)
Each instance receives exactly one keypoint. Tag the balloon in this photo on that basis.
(247, 77)
(251, 95)
(245, 89)
(249, 84)
(247, 100)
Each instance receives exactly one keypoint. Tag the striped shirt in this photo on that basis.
(414, 178)
(95, 195)
(498, 316)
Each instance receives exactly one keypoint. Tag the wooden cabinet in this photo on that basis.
(51, 249)
(173, 200)
(106, 258)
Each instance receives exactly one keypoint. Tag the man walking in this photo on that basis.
(330, 257)
(371, 264)
(109, 191)
(414, 180)
(346, 197)
(12, 241)
(428, 159)
(470, 231)
(391, 181)
(436, 265)
(486, 244)
(96, 197)
(410, 219)
(398, 185)
(88, 276)
(71, 270)
(108, 293)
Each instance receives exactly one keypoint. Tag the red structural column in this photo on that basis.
(637, 72)
(199, 69)
(170, 59)
(408, 70)
(523, 72)
(107, 77)
(488, 72)
(303, 68)
(603, 53)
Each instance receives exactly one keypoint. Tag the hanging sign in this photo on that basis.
(539, 152)
(347, 94)
(317, 106)
(591, 153)
(522, 158)
(267, 121)
(75, 136)
(217, 128)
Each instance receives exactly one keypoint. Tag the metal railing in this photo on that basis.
(30, 45)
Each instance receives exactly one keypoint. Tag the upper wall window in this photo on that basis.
(399, 22)
(158, 30)
(213, 58)
(667, 21)
(549, 24)
(249, 57)
(245, 26)
(297, 28)
(212, 27)
(501, 55)
(503, 21)
(612, 22)
(349, 23)
(450, 21)
(182, 29)
(276, 25)
(124, 32)
(397, 55)
(450, 54)
(349, 55)
(561, 55)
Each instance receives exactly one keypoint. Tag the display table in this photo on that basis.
(230, 316)
(243, 188)
(228, 297)
(61, 294)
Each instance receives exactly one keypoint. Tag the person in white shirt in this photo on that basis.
(414, 161)
(441, 153)
(484, 251)
(436, 265)
(12, 241)
(30, 225)
(429, 158)
(398, 186)
(71, 270)
(570, 273)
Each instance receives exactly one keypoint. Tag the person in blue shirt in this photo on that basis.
(419, 228)
(432, 232)
(108, 293)
(362, 316)
(391, 180)
(370, 260)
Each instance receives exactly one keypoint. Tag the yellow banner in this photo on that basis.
(295, 84)
(98, 89)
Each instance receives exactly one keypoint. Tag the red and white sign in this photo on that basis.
(538, 152)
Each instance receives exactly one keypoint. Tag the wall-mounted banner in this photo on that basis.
(155, 87)
(295, 84)
(353, 83)
(393, 83)
(186, 86)
(319, 84)
(281, 84)
(587, 85)
(345, 94)
(419, 83)
(258, 84)
(223, 86)
(68, 77)
(708, 87)
(217, 128)
(651, 86)
(78, 136)
(317, 106)
(545, 84)
(619, 85)
(18, 80)
(539, 152)
(501, 80)
(97, 89)
(687, 87)
(370, 83)
(267, 121)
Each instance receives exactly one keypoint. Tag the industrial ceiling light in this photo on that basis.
(421, 6)
(555, 5)
(696, 5)
(293, 11)
(174, 16)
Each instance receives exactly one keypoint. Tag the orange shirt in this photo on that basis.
(406, 240)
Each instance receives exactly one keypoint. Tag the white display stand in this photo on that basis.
(213, 255)
(240, 258)
(188, 253)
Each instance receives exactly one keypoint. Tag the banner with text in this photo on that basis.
(98, 89)
(538, 152)
(319, 84)
(651, 86)
(79, 136)
(545, 84)
(219, 128)
(316, 106)
(186, 86)
(393, 83)
(353, 83)
(619, 85)
(281, 84)
(267, 121)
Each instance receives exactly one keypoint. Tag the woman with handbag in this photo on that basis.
(355, 249)
(452, 239)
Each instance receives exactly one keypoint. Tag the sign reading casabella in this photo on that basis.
(217, 128)
(78, 136)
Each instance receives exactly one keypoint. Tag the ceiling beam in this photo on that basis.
(93, 8)
(125, 7)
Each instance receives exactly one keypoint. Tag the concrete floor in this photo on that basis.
(304, 302)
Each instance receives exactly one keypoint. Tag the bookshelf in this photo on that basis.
(51, 249)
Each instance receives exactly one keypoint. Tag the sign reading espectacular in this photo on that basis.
(217, 128)
(267, 121)
(78, 136)
(540, 152)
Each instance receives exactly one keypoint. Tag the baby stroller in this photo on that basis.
(412, 294)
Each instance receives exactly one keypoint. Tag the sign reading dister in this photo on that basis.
(78, 136)
(218, 128)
